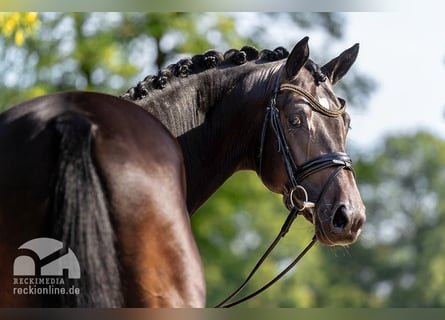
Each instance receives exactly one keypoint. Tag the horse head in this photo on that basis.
(308, 124)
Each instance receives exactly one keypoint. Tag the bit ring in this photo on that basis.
(306, 202)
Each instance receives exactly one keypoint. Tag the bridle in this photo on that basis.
(296, 174)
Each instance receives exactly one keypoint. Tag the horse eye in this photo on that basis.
(296, 121)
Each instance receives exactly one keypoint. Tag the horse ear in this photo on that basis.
(297, 58)
(338, 67)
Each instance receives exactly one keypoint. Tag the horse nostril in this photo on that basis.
(340, 220)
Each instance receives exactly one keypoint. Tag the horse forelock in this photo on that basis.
(209, 60)
(316, 71)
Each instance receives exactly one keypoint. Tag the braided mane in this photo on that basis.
(199, 63)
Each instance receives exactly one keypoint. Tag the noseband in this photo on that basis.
(296, 174)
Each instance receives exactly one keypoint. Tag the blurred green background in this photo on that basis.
(399, 260)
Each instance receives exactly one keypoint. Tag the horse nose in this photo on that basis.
(345, 221)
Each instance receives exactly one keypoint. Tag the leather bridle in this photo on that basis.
(296, 174)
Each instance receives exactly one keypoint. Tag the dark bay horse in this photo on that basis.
(110, 181)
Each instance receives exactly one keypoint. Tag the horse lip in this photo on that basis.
(322, 238)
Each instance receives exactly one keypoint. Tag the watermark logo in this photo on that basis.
(45, 266)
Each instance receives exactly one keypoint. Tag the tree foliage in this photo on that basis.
(18, 25)
(98, 51)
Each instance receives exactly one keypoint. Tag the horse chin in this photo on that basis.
(324, 239)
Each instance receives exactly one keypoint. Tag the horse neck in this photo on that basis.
(217, 118)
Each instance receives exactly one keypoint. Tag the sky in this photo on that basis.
(405, 53)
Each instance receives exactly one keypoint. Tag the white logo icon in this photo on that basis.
(46, 257)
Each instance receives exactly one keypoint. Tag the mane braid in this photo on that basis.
(209, 60)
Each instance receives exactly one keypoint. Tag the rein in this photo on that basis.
(296, 174)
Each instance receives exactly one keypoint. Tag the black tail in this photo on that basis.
(81, 220)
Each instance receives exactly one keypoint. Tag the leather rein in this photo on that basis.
(296, 174)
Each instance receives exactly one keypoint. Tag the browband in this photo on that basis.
(314, 102)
